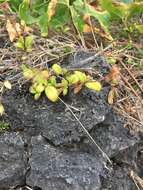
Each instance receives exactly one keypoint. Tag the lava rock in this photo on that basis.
(13, 160)
(55, 121)
(118, 179)
(112, 137)
(53, 168)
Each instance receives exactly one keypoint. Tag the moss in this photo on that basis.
(4, 126)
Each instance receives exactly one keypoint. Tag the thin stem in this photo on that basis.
(86, 132)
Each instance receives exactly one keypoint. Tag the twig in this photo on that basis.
(89, 59)
(129, 85)
(122, 63)
(87, 133)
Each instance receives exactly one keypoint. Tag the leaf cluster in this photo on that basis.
(57, 81)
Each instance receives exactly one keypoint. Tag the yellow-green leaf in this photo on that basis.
(65, 91)
(37, 96)
(57, 69)
(72, 79)
(93, 85)
(7, 84)
(39, 88)
(32, 90)
(27, 72)
(82, 76)
(51, 93)
(1, 109)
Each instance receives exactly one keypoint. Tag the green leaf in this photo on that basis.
(27, 72)
(57, 69)
(39, 88)
(134, 9)
(51, 93)
(37, 96)
(65, 91)
(52, 80)
(64, 82)
(32, 89)
(65, 2)
(72, 79)
(77, 19)
(93, 85)
(139, 27)
(20, 43)
(25, 12)
(103, 18)
(82, 76)
(28, 43)
(117, 10)
(43, 24)
(61, 18)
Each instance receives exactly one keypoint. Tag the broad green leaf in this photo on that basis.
(25, 12)
(103, 18)
(116, 9)
(51, 93)
(61, 18)
(93, 85)
(77, 19)
(43, 24)
(134, 9)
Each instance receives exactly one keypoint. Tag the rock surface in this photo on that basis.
(52, 168)
(12, 160)
(53, 121)
(50, 151)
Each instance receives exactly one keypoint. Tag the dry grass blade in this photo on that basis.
(137, 180)
(132, 76)
(86, 132)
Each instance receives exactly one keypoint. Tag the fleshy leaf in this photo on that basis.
(57, 69)
(93, 85)
(51, 93)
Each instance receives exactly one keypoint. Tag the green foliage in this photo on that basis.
(4, 126)
(25, 43)
(59, 14)
(56, 81)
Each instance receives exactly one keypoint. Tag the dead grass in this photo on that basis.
(45, 51)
